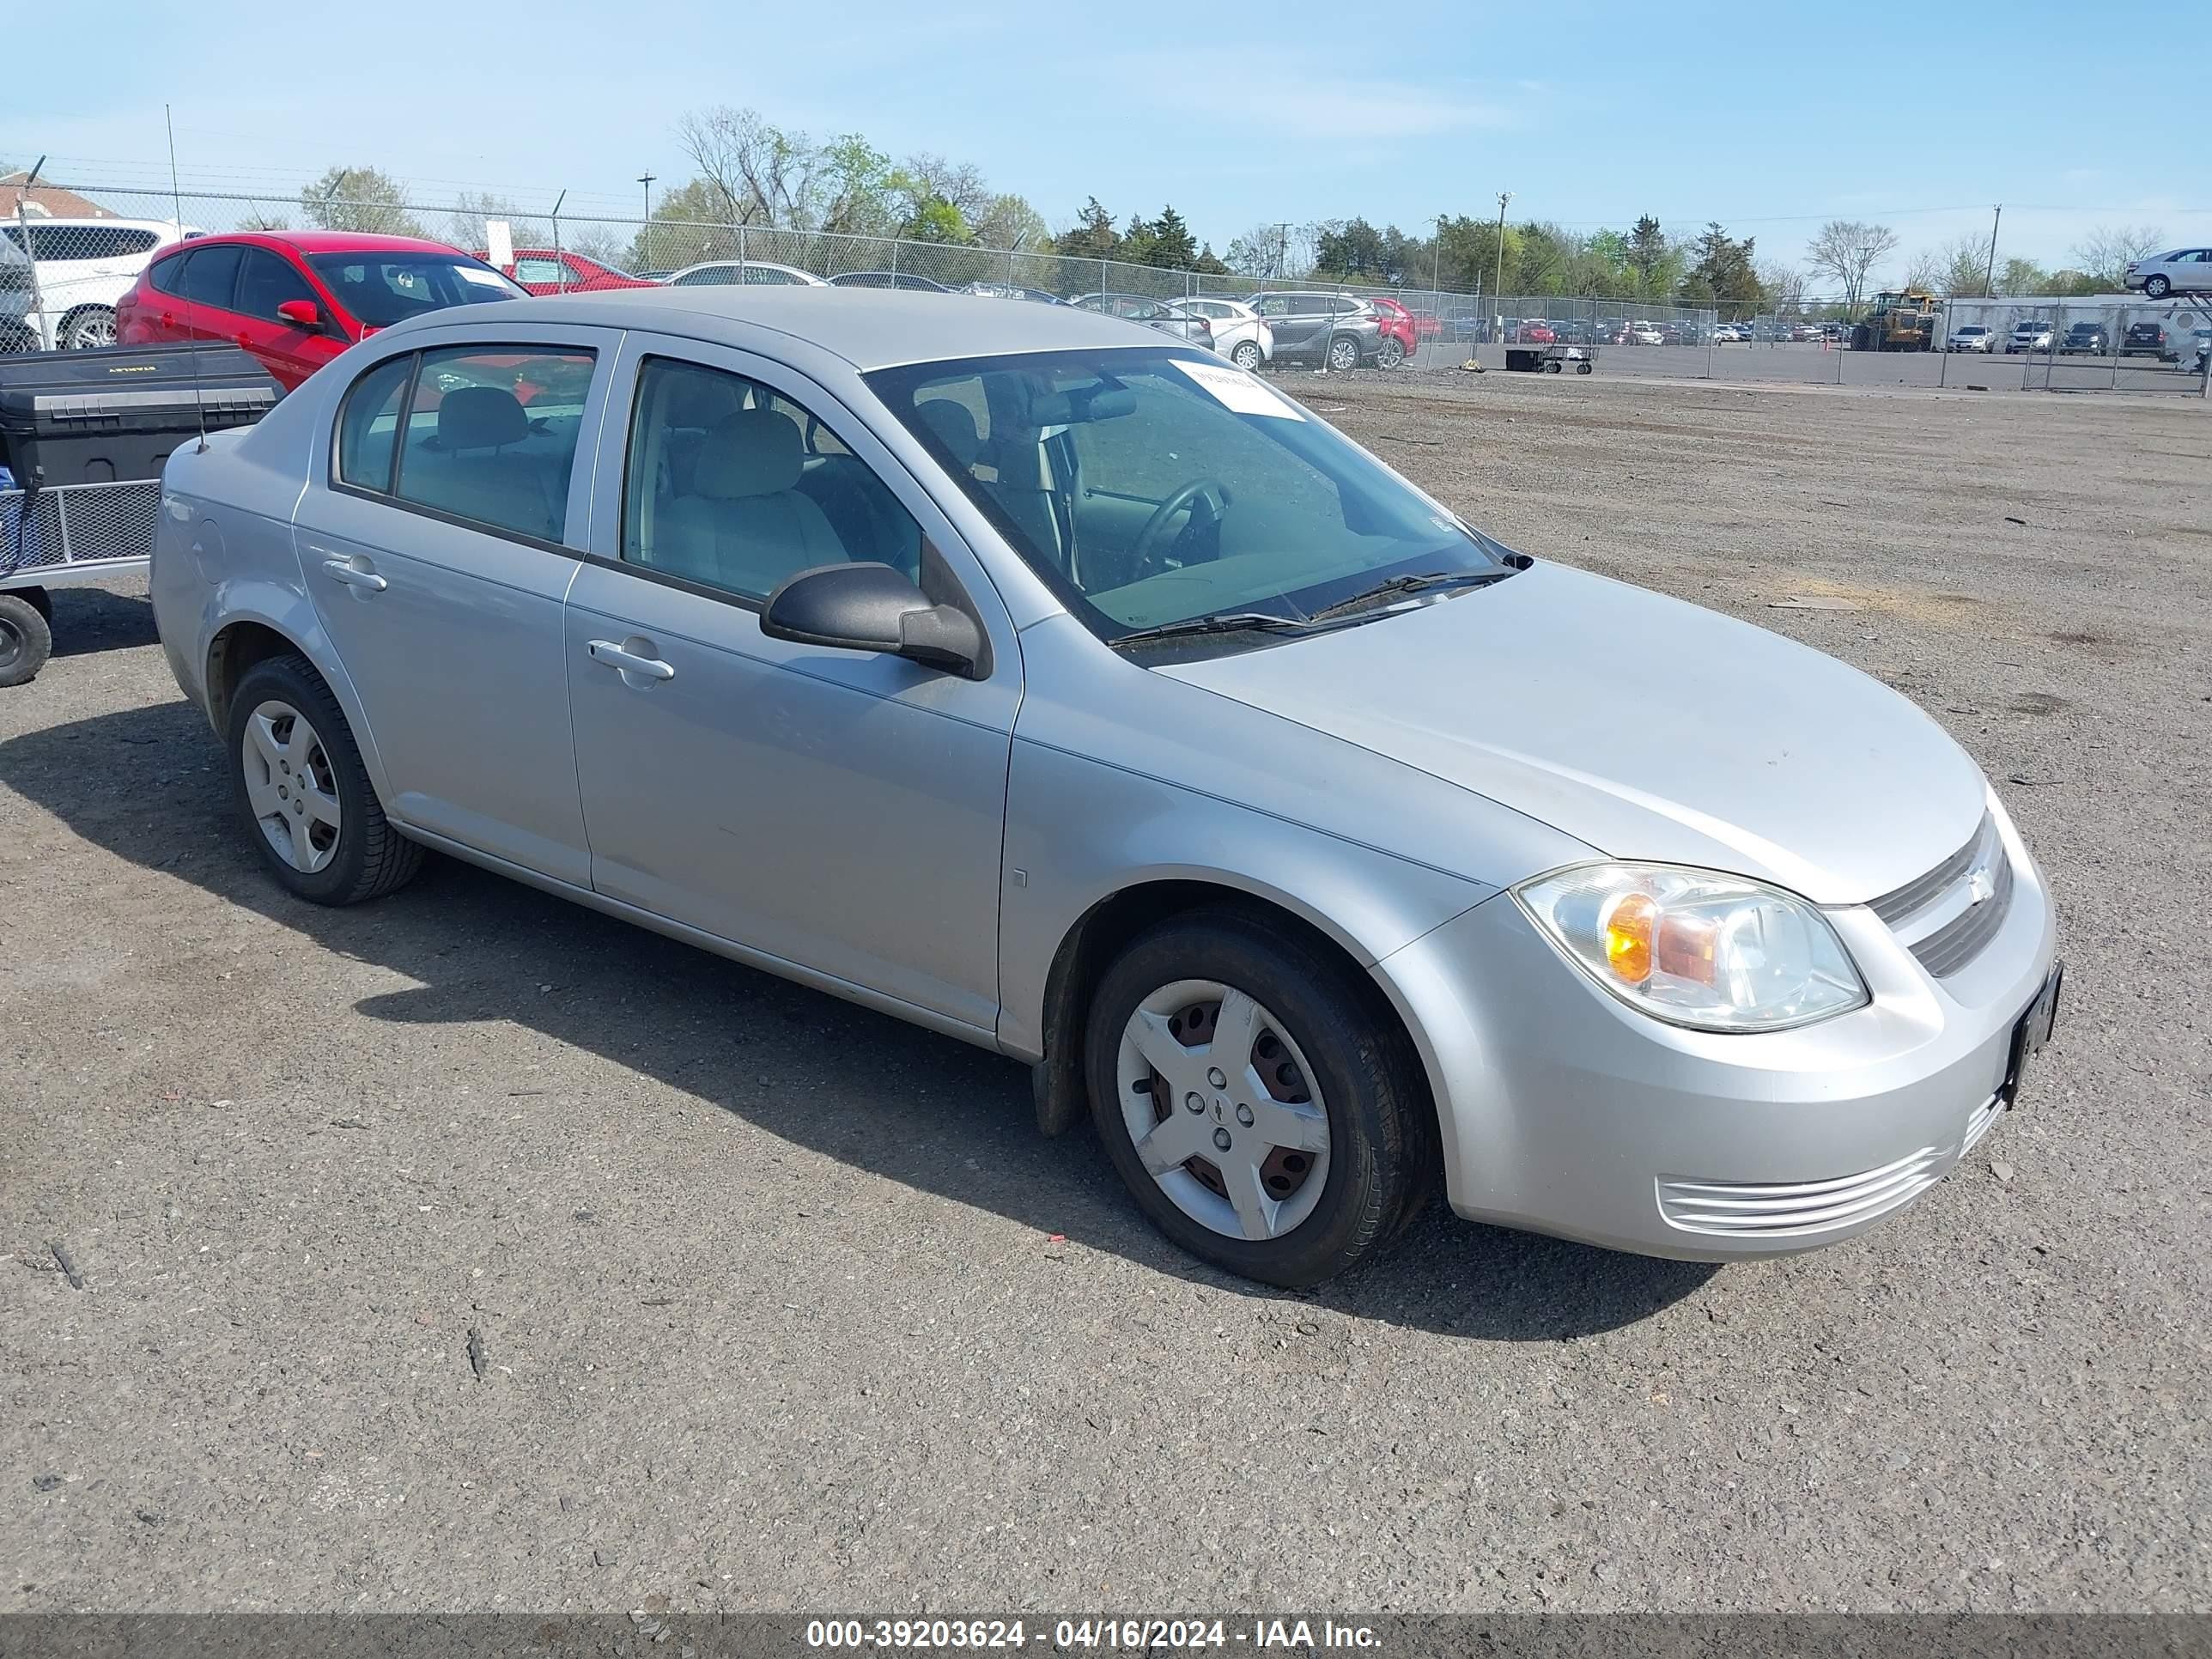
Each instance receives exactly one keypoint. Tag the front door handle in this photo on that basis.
(629, 662)
(353, 575)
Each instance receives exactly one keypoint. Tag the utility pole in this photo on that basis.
(1499, 287)
(1990, 276)
(1436, 258)
(1282, 248)
(646, 178)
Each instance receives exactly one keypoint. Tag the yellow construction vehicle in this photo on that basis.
(1905, 319)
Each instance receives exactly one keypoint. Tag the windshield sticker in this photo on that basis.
(481, 277)
(1233, 389)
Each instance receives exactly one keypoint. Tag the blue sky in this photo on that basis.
(1769, 120)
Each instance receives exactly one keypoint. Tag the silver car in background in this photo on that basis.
(1048, 682)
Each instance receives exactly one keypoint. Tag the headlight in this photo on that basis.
(1696, 947)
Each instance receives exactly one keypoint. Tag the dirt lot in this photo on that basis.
(782, 1303)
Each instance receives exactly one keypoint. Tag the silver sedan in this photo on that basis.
(1053, 684)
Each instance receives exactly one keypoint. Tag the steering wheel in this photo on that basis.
(1143, 551)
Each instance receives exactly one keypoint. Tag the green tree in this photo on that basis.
(1172, 246)
(933, 219)
(359, 199)
(1646, 252)
(1092, 237)
(2019, 276)
(1722, 271)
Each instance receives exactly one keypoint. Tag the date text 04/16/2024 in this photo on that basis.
(1116, 1634)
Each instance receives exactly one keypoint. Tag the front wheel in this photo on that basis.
(2158, 287)
(299, 785)
(1246, 355)
(1343, 353)
(25, 641)
(1264, 1114)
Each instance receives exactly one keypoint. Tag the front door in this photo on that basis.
(436, 563)
(291, 351)
(841, 811)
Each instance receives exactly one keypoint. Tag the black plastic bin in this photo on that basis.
(115, 414)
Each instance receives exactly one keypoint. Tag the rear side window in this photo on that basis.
(490, 436)
(212, 275)
(368, 429)
(166, 276)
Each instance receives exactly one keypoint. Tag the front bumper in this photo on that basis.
(1562, 1110)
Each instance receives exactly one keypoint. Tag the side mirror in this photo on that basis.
(872, 607)
(301, 313)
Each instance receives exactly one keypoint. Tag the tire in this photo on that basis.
(1247, 355)
(88, 329)
(342, 848)
(2157, 287)
(1368, 1143)
(25, 641)
(1582, 368)
(1343, 353)
(1392, 354)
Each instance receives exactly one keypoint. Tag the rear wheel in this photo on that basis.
(1246, 355)
(2158, 287)
(298, 779)
(1343, 353)
(88, 329)
(1393, 352)
(1263, 1112)
(26, 641)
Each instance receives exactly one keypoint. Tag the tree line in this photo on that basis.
(747, 171)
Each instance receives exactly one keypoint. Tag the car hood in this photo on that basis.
(1644, 726)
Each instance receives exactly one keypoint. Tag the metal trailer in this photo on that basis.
(65, 536)
(1551, 359)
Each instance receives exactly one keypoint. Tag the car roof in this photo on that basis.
(328, 241)
(870, 328)
(85, 223)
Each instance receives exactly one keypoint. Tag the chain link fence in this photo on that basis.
(61, 273)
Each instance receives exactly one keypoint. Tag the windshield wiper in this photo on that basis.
(1395, 585)
(1219, 621)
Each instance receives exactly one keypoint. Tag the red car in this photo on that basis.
(557, 270)
(1534, 331)
(295, 299)
(1398, 323)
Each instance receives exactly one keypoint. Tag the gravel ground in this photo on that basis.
(776, 1303)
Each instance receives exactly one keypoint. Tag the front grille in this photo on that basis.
(1789, 1209)
(1942, 918)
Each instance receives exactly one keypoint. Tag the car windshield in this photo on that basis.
(1149, 488)
(384, 288)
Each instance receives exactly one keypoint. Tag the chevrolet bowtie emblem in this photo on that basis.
(1981, 885)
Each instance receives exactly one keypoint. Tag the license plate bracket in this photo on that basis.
(2031, 1031)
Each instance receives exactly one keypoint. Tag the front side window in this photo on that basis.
(548, 271)
(707, 276)
(384, 288)
(1152, 487)
(731, 485)
(490, 436)
(266, 281)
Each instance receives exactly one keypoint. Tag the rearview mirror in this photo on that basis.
(872, 607)
(301, 313)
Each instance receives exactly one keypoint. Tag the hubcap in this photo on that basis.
(90, 333)
(291, 787)
(1247, 1154)
(1248, 356)
(11, 643)
(1343, 355)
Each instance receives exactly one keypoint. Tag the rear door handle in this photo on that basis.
(629, 662)
(346, 571)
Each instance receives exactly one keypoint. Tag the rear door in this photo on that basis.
(436, 543)
(209, 284)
